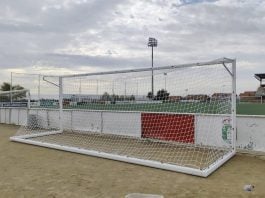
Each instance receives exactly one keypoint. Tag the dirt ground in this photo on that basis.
(31, 171)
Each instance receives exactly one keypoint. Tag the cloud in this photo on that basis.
(70, 36)
(189, 2)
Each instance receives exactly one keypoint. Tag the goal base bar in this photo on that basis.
(37, 134)
(150, 163)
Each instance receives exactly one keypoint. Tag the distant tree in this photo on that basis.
(122, 98)
(115, 97)
(132, 97)
(162, 95)
(150, 95)
(106, 97)
(6, 87)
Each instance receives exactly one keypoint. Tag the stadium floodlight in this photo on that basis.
(152, 42)
(194, 136)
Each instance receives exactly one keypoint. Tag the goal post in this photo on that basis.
(188, 125)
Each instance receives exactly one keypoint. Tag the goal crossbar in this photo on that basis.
(198, 64)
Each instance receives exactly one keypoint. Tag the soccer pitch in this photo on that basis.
(250, 109)
(180, 107)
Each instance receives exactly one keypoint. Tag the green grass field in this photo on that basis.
(155, 107)
(202, 107)
(250, 109)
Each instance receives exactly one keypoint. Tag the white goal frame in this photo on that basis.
(150, 163)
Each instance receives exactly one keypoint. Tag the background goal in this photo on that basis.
(187, 125)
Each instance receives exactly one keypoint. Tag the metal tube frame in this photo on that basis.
(149, 163)
(61, 103)
(198, 64)
(152, 86)
(233, 124)
(193, 171)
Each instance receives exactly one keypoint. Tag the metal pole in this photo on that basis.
(61, 104)
(28, 104)
(200, 64)
(39, 88)
(233, 105)
(97, 87)
(125, 89)
(137, 88)
(152, 73)
(80, 91)
(165, 74)
(28, 99)
(112, 87)
(11, 85)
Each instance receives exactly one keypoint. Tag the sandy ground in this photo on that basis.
(31, 171)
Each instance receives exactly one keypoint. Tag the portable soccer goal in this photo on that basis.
(186, 125)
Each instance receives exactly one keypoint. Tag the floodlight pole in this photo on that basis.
(80, 90)
(11, 82)
(125, 91)
(152, 42)
(152, 71)
(97, 88)
(165, 74)
(137, 88)
(39, 86)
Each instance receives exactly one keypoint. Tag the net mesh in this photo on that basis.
(13, 107)
(186, 121)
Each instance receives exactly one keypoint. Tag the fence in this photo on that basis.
(252, 99)
(250, 129)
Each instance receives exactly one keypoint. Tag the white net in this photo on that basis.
(43, 112)
(186, 122)
(41, 87)
(14, 106)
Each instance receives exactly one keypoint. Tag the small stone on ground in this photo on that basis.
(140, 195)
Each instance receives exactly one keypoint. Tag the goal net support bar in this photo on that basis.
(154, 164)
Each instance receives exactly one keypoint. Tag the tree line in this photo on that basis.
(160, 95)
(107, 97)
(15, 96)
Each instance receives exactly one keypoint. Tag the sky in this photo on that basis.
(81, 36)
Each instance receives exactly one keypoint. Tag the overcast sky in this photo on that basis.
(77, 36)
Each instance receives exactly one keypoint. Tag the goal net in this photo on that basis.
(186, 124)
(13, 106)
